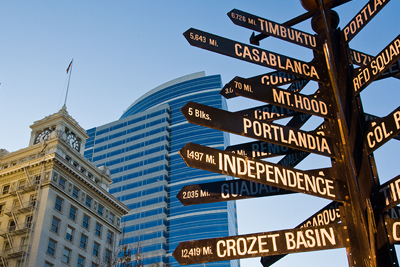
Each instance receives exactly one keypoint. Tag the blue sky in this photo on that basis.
(122, 49)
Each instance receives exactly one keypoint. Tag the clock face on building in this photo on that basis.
(73, 141)
(43, 135)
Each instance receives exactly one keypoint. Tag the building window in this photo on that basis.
(111, 218)
(107, 257)
(97, 231)
(66, 255)
(110, 237)
(75, 192)
(2, 209)
(76, 165)
(69, 235)
(96, 249)
(55, 224)
(6, 246)
(21, 184)
(46, 264)
(28, 221)
(83, 242)
(58, 204)
(100, 210)
(72, 213)
(11, 226)
(51, 247)
(86, 221)
(61, 183)
(6, 189)
(94, 265)
(88, 201)
(81, 261)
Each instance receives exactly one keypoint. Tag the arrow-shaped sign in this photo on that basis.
(283, 98)
(260, 149)
(254, 55)
(267, 112)
(224, 191)
(214, 160)
(327, 215)
(271, 28)
(363, 76)
(362, 18)
(390, 193)
(362, 59)
(383, 130)
(264, 131)
(261, 244)
(270, 80)
(374, 119)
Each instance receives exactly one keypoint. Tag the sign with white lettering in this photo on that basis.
(264, 131)
(271, 79)
(363, 76)
(327, 215)
(307, 182)
(225, 191)
(262, 244)
(362, 18)
(383, 130)
(390, 193)
(362, 59)
(393, 229)
(374, 119)
(267, 112)
(274, 29)
(260, 149)
(283, 98)
(255, 55)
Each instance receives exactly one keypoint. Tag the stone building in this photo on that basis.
(55, 208)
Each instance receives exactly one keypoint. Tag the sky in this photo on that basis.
(122, 49)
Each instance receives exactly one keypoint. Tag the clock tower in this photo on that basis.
(59, 127)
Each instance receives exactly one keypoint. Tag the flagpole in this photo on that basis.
(69, 69)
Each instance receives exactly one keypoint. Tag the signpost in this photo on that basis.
(363, 76)
(261, 244)
(384, 130)
(264, 131)
(283, 98)
(367, 223)
(214, 160)
(254, 55)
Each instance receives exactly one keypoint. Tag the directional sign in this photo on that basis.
(384, 130)
(327, 215)
(393, 229)
(264, 131)
(259, 171)
(390, 193)
(374, 119)
(291, 100)
(362, 59)
(260, 149)
(271, 28)
(363, 76)
(271, 79)
(261, 244)
(267, 112)
(254, 55)
(362, 18)
(224, 191)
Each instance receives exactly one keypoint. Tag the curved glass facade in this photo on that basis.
(141, 150)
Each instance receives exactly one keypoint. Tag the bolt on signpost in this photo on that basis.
(363, 216)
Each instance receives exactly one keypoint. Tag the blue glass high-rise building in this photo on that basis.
(141, 150)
